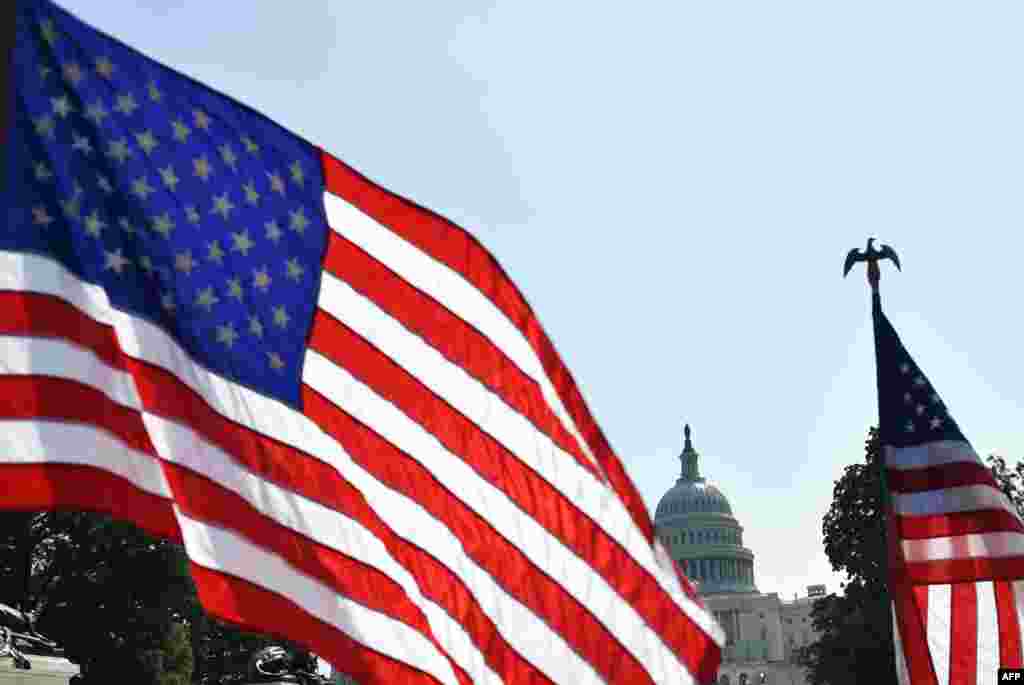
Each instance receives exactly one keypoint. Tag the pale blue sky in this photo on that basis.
(674, 187)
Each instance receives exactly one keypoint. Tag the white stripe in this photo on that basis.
(950, 500)
(59, 359)
(40, 441)
(525, 632)
(974, 546)
(487, 411)
(181, 446)
(141, 340)
(548, 553)
(930, 454)
(902, 676)
(940, 606)
(453, 291)
(224, 551)
(988, 633)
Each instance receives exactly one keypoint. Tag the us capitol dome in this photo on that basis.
(695, 522)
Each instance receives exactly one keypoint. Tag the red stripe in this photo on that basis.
(1009, 626)
(458, 341)
(963, 635)
(958, 523)
(60, 399)
(164, 395)
(911, 608)
(70, 486)
(939, 477)
(256, 609)
(513, 571)
(456, 248)
(963, 570)
(532, 493)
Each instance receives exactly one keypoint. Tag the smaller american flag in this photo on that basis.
(956, 541)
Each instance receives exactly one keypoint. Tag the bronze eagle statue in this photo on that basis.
(871, 256)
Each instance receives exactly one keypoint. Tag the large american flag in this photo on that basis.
(335, 399)
(956, 541)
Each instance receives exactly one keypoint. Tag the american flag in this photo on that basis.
(956, 541)
(335, 399)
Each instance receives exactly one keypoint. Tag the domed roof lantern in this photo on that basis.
(689, 458)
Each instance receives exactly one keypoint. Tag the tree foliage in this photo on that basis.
(120, 602)
(855, 643)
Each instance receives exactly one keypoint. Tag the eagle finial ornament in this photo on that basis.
(872, 257)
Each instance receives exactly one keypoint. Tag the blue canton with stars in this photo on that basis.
(910, 411)
(190, 210)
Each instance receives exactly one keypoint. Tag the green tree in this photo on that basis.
(855, 643)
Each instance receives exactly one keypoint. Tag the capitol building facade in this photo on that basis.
(695, 523)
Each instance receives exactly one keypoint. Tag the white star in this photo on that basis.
(251, 196)
(141, 188)
(920, 409)
(126, 225)
(169, 178)
(281, 317)
(167, 302)
(226, 334)
(71, 207)
(276, 183)
(93, 224)
(44, 126)
(276, 363)
(119, 151)
(904, 368)
(126, 104)
(48, 32)
(72, 73)
(104, 183)
(298, 220)
(909, 427)
(222, 205)
(42, 171)
(935, 422)
(214, 252)
(154, 93)
(273, 231)
(192, 214)
(920, 381)
(261, 279)
(241, 243)
(250, 145)
(81, 143)
(207, 299)
(104, 67)
(907, 398)
(163, 224)
(115, 261)
(228, 155)
(201, 167)
(235, 288)
(295, 270)
(255, 327)
(41, 217)
(146, 141)
(296, 170)
(96, 113)
(201, 119)
(184, 263)
(181, 131)
(62, 106)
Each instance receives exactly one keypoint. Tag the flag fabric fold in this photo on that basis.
(956, 542)
(335, 399)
